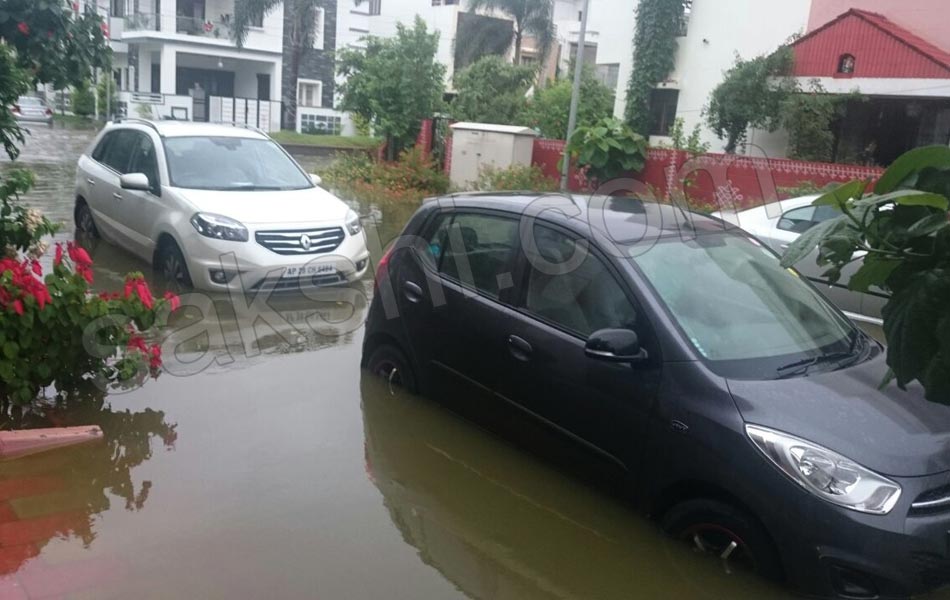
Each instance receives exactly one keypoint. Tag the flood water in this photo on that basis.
(264, 463)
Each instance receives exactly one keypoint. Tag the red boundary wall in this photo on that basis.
(723, 179)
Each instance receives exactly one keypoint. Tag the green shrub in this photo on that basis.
(83, 100)
(608, 149)
(411, 178)
(515, 178)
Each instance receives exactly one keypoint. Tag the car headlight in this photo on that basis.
(353, 224)
(826, 474)
(219, 228)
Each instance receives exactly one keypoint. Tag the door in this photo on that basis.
(110, 160)
(263, 86)
(568, 291)
(140, 210)
(450, 299)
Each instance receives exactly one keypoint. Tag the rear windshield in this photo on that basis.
(739, 308)
(231, 164)
(29, 101)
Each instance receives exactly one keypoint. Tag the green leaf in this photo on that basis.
(928, 225)
(874, 272)
(923, 199)
(807, 242)
(912, 163)
(841, 195)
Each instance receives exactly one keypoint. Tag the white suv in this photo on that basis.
(216, 207)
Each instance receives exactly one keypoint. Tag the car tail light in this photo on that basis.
(16, 108)
(49, 112)
(383, 267)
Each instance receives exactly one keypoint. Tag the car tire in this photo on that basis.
(388, 362)
(729, 533)
(85, 224)
(170, 264)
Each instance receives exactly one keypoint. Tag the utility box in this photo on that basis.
(479, 145)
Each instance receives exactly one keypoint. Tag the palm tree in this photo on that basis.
(302, 35)
(530, 17)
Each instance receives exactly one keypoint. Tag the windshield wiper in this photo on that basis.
(801, 367)
(250, 187)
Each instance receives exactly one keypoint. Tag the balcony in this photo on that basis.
(191, 26)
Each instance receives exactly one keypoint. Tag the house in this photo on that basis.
(177, 59)
(895, 54)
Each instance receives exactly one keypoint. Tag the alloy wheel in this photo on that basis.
(728, 547)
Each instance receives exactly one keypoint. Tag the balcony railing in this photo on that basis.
(220, 28)
(142, 22)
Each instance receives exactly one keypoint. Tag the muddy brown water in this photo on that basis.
(264, 463)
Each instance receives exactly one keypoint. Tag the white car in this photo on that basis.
(778, 224)
(216, 207)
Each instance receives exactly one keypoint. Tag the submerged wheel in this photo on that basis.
(388, 362)
(726, 534)
(170, 264)
(85, 224)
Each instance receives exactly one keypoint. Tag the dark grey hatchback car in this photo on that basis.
(743, 410)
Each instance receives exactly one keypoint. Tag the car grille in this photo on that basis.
(932, 501)
(296, 242)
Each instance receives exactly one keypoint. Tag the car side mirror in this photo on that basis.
(316, 179)
(135, 181)
(615, 345)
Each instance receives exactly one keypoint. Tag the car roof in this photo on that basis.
(622, 219)
(174, 128)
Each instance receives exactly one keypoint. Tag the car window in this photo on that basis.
(119, 151)
(571, 287)
(798, 220)
(144, 161)
(475, 249)
(231, 164)
(437, 240)
(99, 153)
(823, 213)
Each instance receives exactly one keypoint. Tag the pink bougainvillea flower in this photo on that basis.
(23, 28)
(155, 357)
(58, 260)
(144, 294)
(173, 300)
(18, 306)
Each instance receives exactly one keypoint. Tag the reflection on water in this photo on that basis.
(500, 525)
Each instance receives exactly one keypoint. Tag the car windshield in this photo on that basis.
(29, 101)
(231, 164)
(744, 313)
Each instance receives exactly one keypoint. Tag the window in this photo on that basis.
(800, 220)
(663, 104)
(116, 154)
(257, 20)
(375, 7)
(475, 249)
(231, 164)
(846, 64)
(570, 287)
(609, 75)
(319, 23)
(102, 146)
(144, 161)
(117, 8)
(309, 93)
(320, 124)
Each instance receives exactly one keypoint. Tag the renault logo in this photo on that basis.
(305, 241)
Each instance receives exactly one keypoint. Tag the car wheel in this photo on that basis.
(726, 533)
(85, 224)
(388, 362)
(170, 264)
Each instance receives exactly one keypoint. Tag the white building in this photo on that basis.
(609, 38)
(176, 59)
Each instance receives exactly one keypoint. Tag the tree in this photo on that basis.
(394, 83)
(550, 107)
(752, 94)
(530, 17)
(902, 232)
(608, 149)
(659, 23)
(53, 42)
(301, 36)
(492, 91)
(83, 100)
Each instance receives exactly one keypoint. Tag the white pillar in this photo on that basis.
(169, 70)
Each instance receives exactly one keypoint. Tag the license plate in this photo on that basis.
(308, 270)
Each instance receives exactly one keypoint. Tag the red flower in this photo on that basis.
(78, 255)
(155, 357)
(58, 260)
(18, 306)
(137, 342)
(144, 294)
(37, 269)
(23, 28)
(173, 300)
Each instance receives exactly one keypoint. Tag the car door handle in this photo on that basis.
(519, 348)
(117, 195)
(91, 181)
(412, 292)
(784, 246)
